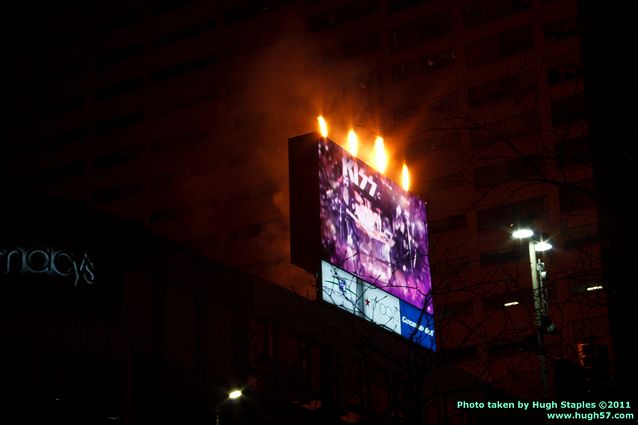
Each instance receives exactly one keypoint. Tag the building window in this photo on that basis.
(113, 193)
(446, 182)
(184, 34)
(379, 392)
(246, 232)
(250, 9)
(580, 235)
(345, 13)
(71, 170)
(119, 22)
(72, 136)
(512, 85)
(259, 40)
(105, 127)
(505, 129)
(442, 142)
(185, 98)
(459, 354)
(108, 160)
(258, 345)
(397, 5)
(490, 258)
(423, 65)
(365, 82)
(350, 387)
(421, 30)
(508, 347)
(66, 70)
(569, 109)
(571, 152)
(192, 139)
(283, 365)
(437, 105)
(168, 214)
(562, 28)
(206, 242)
(447, 224)
(451, 267)
(497, 46)
(577, 196)
(163, 6)
(290, 359)
(119, 55)
(524, 169)
(481, 11)
(184, 67)
(66, 105)
(119, 88)
(457, 309)
(503, 215)
(564, 68)
(355, 47)
(587, 329)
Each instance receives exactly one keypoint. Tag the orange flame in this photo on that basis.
(380, 155)
(405, 177)
(323, 126)
(353, 142)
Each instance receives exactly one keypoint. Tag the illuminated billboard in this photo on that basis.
(371, 227)
(365, 235)
(358, 297)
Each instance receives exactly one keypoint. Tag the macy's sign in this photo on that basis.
(48, 261)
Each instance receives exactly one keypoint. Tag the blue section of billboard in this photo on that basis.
(417, 326)
(358, 297)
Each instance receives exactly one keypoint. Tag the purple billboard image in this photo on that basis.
(373, 228)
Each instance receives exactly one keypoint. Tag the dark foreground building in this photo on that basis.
(102, 323)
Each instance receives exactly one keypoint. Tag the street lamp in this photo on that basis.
(539, 274)
(232, 395)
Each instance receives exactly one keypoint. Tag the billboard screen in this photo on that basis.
(358, 297)
(373, 228)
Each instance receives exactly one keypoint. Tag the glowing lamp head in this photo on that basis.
(380, 155)
(405, 177)
(323, 126)
(542, 246)
(353, 142)
(234, 394)
(522, 233)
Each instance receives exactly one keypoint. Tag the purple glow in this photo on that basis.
(373, 228)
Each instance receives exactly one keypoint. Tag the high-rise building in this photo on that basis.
(176, 115)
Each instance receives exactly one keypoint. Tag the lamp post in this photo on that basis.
(540, 300)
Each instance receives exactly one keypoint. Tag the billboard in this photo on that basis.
(358, 297)
(372, 228)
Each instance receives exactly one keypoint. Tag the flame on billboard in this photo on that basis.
(353, 142)
(405, 177)
(380, 155)
(323, 126)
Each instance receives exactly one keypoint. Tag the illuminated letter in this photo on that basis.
(28, 261)
(351, 170)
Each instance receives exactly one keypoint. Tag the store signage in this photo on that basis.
(77, 267)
